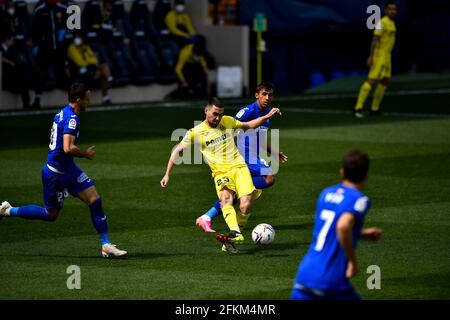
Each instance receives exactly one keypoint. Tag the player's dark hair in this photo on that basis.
(265, 86)
(214, 102)
(355, 165)
(77, 91)
(389, 2)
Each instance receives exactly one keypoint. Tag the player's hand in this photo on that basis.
(283, 158)
(164, 181)
(352, 269)
(184, 84)
(90, 152)
(373, 234)
(273, 112)
(370, 61)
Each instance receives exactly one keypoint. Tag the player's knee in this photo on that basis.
(91, 200)
(384, 81)
(371, 82)
(245, 205)
(53, 214)
(270, 180)
(226, 198)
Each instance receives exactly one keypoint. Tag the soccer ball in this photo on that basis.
(263, 233)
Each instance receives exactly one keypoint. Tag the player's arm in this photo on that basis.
(176, 152)
(72, 149)
(259, 121)
(344, 230)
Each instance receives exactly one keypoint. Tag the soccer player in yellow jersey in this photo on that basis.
(379, 62)
(230, 172)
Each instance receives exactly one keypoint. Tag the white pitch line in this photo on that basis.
(198, 104)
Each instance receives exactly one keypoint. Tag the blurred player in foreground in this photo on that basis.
(230, 172)
(330, 262)
(249, 147)
(61, 175)
(379, 62)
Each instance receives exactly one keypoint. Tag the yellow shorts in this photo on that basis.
(380, 69)
(238, 180)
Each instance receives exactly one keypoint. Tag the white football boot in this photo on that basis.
(111, 249)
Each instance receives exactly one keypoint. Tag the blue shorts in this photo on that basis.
(57, 186)
(310, 294)
(260, 168)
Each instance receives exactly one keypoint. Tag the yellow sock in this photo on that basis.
(242, 219)
(378, 96)
(362, 96)
(229, 214)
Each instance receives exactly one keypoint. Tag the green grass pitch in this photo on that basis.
(170, 258)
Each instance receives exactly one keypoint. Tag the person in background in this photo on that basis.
(192, 69)
(179, 24)
(85, 66)
(48, 31)
(16, 75)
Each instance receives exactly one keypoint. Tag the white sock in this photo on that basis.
(206, 217)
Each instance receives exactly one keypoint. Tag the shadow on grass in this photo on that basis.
(298, 226)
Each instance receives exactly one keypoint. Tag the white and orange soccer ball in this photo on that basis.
(263, 233)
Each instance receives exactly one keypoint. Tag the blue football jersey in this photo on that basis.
(249, 142)
(65, 122)
(325, 264)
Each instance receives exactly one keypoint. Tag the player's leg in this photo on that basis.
(364, 92)
(83, 187)
(245, 203)
(259, 181)
(262, 175)
(366, 87)
(378, 96)
(30, 212)
(263, 182)
(228, 212)
(91, 198)
(246, 192)
(234, 236)
(226, 190)
(204, 221)
(54, 195)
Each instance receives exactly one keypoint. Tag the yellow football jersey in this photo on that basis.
(387, 37)
(217, 144)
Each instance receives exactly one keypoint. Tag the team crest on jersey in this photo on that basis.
(72, 124)
(361, 204)
(221, 127)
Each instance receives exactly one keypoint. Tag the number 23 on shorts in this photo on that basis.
(221, 181)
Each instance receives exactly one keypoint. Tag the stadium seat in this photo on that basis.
(156, 55)
(162, 7)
